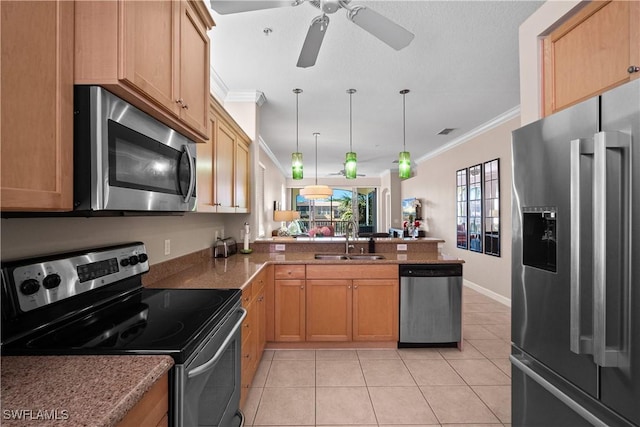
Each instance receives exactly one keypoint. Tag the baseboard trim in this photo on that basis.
(484, 291)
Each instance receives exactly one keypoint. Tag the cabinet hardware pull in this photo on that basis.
(355, 287)
(301, 287)
(633, 69)
(185, 106)
(180, 101)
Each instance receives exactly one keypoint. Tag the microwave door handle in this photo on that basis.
(612, 355)
(192, 174)
(579, 343)
(212, 362)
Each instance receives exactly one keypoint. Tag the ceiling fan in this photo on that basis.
(342, 172)
(384, 29)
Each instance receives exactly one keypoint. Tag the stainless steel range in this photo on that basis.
(93, 302)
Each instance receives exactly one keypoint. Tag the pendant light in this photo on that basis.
(350, 167)
(296, 158)
(316, 191)
(404, 160)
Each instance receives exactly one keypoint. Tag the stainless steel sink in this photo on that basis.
(366, 257)
(338, 257)
(331, 256)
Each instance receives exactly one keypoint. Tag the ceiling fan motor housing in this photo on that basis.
(329, 6)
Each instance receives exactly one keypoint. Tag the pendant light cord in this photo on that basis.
(350, 122)
(404, 124)
(297, 150)
(316, 135)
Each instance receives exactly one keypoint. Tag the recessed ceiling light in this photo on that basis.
(267, 31)
(446, 131)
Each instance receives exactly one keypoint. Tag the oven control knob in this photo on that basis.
(143, 257)
(124, 262)
(29, 286)
(133, 259)
(51, 281)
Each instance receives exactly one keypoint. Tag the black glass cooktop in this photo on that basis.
(149, 321)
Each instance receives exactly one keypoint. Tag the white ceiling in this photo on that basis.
(461, 68)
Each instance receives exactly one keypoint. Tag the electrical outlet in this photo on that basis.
(401, 247)
(167, 247)
(281, 248)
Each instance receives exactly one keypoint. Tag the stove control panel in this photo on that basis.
(41, 281)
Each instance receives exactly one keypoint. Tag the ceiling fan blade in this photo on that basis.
(224, 7)
(313, 41)
(384, 29)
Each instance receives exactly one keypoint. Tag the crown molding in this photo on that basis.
(272, 156)
(218, 88)
(485, 127)
(247, 96)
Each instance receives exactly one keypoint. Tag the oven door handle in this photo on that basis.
(211, 362)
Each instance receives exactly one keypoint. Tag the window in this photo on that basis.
(338, 210)
(475, 208)
(492, 207)
(461, 208)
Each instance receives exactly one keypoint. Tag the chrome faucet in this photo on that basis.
(352, 227)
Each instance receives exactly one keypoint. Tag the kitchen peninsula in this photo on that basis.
(295, 300)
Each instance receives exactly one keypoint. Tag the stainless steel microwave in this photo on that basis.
(127, 161)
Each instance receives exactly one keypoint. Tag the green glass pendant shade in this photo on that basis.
(350, 165)
(404, 165)
(296, 165)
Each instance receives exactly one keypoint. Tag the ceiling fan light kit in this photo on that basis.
(314, 192)
(404, 159)
(296, 158)
(377, 25)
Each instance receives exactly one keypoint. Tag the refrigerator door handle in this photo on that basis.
(612, 355)
(522, 363)
(579, 342)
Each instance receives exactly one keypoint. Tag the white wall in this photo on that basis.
(435, 185)
(26, 237)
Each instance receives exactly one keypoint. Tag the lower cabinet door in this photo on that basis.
(329, 310)
(375, 310)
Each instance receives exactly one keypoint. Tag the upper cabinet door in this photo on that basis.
(194, 69)
(591, 53)
(36, 129)
(150, 49)
(152, 53)
(224, 168)
(242, 178)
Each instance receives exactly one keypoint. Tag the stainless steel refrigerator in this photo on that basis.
(576, 265)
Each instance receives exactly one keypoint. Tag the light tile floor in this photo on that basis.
(387, 387)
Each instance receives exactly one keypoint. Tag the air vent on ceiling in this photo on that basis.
(446, 131)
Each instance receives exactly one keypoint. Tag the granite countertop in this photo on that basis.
(75, 390)
(237, 270)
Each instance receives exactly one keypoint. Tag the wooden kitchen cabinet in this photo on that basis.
(223, 165)
(329, 310)
(253, 330)
(152, 408)
(36, 125)
(154, 54)
(591, 53)
(375, 309)
(289, 303)
(352, 303)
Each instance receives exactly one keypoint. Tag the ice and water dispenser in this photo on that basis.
(539, 238)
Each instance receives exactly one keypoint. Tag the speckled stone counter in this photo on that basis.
(74, 391)
(237, 270)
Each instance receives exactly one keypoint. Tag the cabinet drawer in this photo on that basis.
(247, 294)
(289, 272)
(352, 271)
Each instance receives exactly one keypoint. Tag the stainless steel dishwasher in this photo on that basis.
(430, 304)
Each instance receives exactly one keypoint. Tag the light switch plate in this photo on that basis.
(401, 247)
